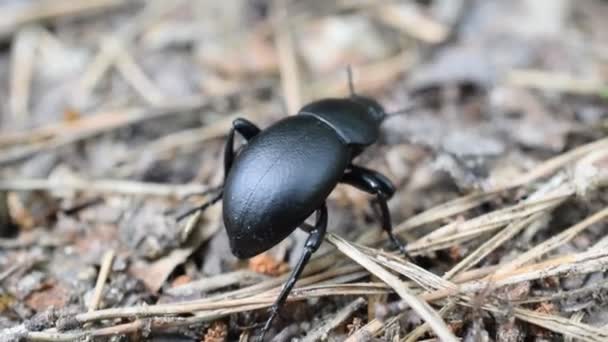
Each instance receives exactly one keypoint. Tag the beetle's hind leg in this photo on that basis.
(317, 233)
(214, 199)
(248, 130)
(377, 184)
(245, 128)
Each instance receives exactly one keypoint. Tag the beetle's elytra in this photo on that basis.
(284, 174)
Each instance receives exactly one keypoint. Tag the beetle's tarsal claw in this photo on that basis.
(404, 252)
(399, 245)
(273, 314)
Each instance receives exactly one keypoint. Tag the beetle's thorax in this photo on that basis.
(355, 119)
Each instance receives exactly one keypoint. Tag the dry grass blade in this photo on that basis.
(86, 128)
(420, 307)
(288, 59)
(213, 283)
(106, 186)
(576, 318)
(170, 144)
(111, 47)
(576, 293)
(493, 243)
(462, 204)
(133, 74)
(321, 332)
(549, 166)
(185, 138)
(54, 136)
(582, 263)
(23, 60)
(417, 333)
(556, 184)
(554, 81)
(556, 241)
(461, 231)
(408, 18)
(562, 325)
(365, 333)
(15, 16)
(240, 305)
(445, 210)
(102, 277)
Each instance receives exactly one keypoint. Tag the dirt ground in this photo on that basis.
(113, 118)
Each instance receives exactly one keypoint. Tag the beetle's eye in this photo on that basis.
(377, 111)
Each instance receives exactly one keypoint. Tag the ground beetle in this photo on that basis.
(286, 172)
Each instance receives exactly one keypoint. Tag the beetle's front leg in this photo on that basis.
(312, 244)
(377, 184)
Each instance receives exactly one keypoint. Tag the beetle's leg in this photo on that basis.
(201, 207)
(377, 184)
(245, 128)
(248, 130)
(312, 244)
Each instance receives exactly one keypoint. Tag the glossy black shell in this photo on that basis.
(356, 120)
(279, 179)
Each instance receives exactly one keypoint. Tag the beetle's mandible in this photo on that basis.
(285, 173)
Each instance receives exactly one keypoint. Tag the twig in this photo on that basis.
(562, 325)
(493, 243)
(213, 283)
(409, 19)
(288, 61)
(136, 77)
(576, 318)
(553, 81)
(554, 242)
(550, 166)
(207, 310)
(9, 271)
(572, 294)
(462, 204)
(111, 46)
(263, 300)
(104, 186)
(581, 263)
(552, 194)
(461, 231)
(23, 52)
(104, 272)
(366, 332)
(90, 126)
(184, 139)
(16, 16)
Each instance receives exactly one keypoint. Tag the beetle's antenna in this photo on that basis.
(351, 84)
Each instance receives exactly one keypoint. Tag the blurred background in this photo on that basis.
(113, 113)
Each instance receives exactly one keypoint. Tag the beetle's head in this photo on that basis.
(374, 109)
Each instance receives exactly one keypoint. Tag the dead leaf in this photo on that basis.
(266, 264)
(51, 295)
(154, 274)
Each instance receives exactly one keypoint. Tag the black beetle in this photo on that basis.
(286, 172)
